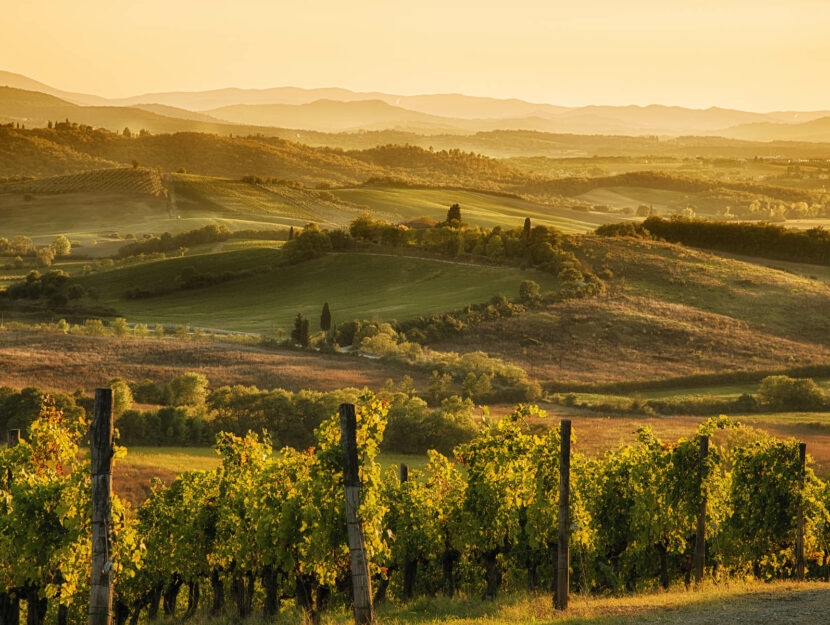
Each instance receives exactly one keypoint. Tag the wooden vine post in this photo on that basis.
(408, 567)
(101, 451)
(361, 582)
(700, 537)
(563, 552)
(799, 528)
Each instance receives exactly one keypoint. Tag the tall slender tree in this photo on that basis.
(454, 214)
(325, 318)
(526, 229)
(300, 334)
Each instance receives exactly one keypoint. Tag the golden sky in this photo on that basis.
(750, 54)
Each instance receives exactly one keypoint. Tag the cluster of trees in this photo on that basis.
(754, 239)
(22, 245)
(428, 328)
(529, 246)
(290, 418)
(192, 414)
(265, 528)
(56, 286)
(19, 409)
(480, 377)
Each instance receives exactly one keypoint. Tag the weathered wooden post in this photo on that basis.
(700, 537)
(408, 566)
(563, 555)
(799, 536)
(100, 447)
(361, 582)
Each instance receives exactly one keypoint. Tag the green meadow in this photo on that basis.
(355, 285)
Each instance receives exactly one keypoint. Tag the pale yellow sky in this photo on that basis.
(751, 54)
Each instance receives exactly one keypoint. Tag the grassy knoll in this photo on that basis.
(355, 286)
(805, 270)
(624, 338)
(766, 299)
(477, 208)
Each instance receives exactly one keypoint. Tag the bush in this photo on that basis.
(782, 392)
(189, 389)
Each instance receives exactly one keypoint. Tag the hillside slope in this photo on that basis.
(115, 180)
(817, 130)
(234, 157)
(669, 311)
(355, 285)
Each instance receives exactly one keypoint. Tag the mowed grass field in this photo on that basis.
(477, 208)
(355, 285)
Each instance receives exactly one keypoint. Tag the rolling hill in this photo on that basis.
(332, 116)
(355, 285)
(46, 151)
(816, 130)
(401, 204)
(670, 311)
(19, 81)
(35, 109)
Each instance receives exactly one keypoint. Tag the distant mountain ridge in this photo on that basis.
(265, 111)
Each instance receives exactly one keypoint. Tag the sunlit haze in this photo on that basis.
(749, 54)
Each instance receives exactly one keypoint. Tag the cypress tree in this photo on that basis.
(300, 334)
(454, 214)
(325, 318)
(291, 233)
(526, 229)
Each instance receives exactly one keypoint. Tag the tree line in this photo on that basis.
(753, 239)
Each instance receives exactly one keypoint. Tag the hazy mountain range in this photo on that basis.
(335, 110)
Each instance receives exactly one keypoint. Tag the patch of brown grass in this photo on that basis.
(132, 483)
(630, 338)
(61, 362)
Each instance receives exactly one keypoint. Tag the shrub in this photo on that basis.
(782, 392)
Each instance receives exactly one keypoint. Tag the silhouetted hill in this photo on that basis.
(331, 116)
(815, 130)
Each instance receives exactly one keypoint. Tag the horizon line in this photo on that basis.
(411, 94)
